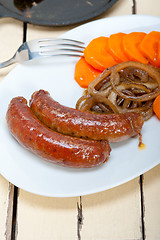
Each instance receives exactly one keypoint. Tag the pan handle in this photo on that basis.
(4, 12)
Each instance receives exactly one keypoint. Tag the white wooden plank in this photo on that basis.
(148, 7)
(46, 218)
(11, 32)
(6, 207)
(151, 193)
(114, 214)
(34, 32)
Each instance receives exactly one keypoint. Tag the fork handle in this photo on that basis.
(7, 63)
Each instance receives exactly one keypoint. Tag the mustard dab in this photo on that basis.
(142, 146)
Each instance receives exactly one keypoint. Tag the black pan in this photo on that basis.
(54, 12)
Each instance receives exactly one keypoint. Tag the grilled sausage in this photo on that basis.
(113, 127)
(52, 146)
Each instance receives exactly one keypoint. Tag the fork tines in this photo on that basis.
(66, 47)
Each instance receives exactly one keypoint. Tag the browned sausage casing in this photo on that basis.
(50, 145)
(111, 127)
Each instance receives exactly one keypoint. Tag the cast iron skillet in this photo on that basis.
(54, 12)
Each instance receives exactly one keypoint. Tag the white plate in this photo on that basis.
(35, 175)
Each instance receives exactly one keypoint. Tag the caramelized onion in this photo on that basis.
(95, 86)
(88, 103)
(126, 87)
(149, 69)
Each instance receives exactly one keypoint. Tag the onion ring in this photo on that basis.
(126, 87)
(150, 70)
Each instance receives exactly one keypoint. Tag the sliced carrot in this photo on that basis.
(149, 47)
(156, 106)
(115, 47)
(131, 43)
(158, 55)
(96, 54)
(85, 73)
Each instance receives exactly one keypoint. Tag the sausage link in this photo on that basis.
(52, 146)
(111, 127)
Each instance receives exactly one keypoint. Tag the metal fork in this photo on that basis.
(46, 48)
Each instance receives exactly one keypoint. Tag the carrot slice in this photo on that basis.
(115, 42)
(158, 55)
(131, 43)
(85, 73)
(156, 106)
(97, 55)
(149, 47)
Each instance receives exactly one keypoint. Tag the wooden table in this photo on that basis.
(129, 211)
